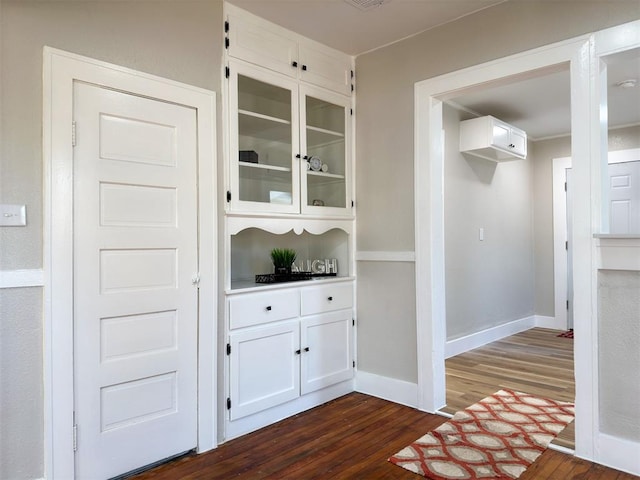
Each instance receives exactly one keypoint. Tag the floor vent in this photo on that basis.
(366, 5)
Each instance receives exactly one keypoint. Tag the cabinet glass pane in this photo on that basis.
(325, 132)
(264, 142)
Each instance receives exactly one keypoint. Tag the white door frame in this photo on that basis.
(61, 70)
(560, 267)
(429, 206)
(589, 135)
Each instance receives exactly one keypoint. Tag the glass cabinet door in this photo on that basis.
(264, 174)
(324, 134)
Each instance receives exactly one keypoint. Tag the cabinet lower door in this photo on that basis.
(264, 368)
(326, 350)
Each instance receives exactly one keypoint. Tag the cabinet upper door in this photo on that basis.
(324, 136)
(322, 66)
(262, 43)
(264, 141)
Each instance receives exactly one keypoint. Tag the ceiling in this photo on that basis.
(539, 105)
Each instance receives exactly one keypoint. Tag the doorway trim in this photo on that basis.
(61, 70)
(429, 96)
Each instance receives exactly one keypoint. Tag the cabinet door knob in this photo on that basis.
(306, 349)
(268, 308)
(330, 299)
(297, 155)
(294, 64)
(304, 67)
(306, 157)
(298, 352)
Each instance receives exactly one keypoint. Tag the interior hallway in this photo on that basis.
(536, 361)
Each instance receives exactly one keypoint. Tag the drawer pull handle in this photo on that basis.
(330, 299)
(268, 308)
(298, 352)
(306, 349)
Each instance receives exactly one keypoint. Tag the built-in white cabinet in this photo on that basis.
(277, 355)
(263, 43)
(289, 145)
(492, 139)
(289, 184)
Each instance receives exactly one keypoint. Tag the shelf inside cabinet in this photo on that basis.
(321, 136)
(325, 175)
(263, 126)
(262, 166)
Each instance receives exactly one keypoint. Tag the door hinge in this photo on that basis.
(228, 403)
(228, 349)
(567, 304)
(351, 110)
(75, 437)
(352, 74)
(226, 26)
(227, 72)
(195, 280)
(353, 204)
(566, 245)
(226, 42)
(228, 195)
(354, 364)
(353, 322)
(73, 133)
(352, 87)
(565, 186)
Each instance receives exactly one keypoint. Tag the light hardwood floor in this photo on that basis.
(536, 361)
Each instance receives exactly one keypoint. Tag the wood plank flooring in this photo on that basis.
(536, 361)
(349, 438)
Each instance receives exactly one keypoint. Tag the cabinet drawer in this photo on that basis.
(258, 308)
(326, 298)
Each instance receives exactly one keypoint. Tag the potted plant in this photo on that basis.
(282, 259)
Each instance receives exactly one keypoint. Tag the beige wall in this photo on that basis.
(489, 282)
(177, 40)
(619, 355)
(385, 127)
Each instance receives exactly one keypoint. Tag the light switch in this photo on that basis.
(13, 215)
(481, 234)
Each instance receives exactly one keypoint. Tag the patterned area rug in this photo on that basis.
(498, 437)
(567, 334)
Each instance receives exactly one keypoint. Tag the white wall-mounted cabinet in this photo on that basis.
(492, 139)
(263, 43)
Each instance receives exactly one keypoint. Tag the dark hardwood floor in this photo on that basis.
(349, 438)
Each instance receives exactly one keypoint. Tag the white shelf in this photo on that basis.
(324, 174)
(264, 166)
(263, 126)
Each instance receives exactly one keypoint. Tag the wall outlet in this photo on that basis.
(13, 215)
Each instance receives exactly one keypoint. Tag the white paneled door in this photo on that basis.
(135, 292)
(624, 197)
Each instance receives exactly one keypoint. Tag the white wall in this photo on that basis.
(177, 40)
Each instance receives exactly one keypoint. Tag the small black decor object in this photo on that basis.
(282, 259)
(250, 156)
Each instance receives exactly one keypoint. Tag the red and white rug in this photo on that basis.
(498, 437)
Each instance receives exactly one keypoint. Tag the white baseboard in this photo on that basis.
(478, 339)
(618, 453)
(394, 390)
(475, 340)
